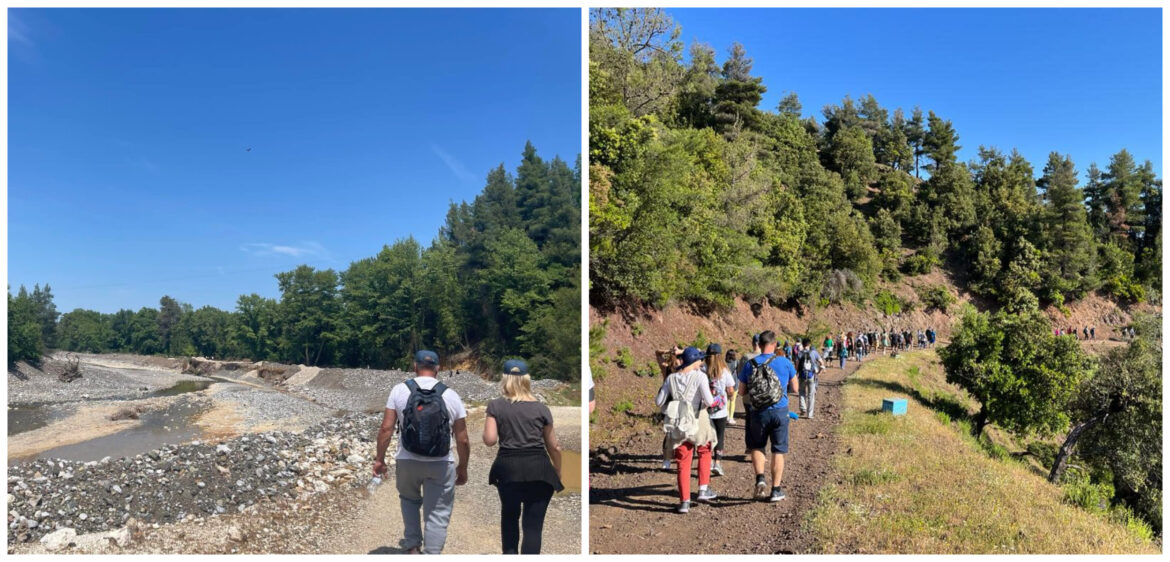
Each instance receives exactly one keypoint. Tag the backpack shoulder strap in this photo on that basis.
(411, 385)
(439, 388)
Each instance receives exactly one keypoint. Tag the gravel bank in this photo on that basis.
(187, 482)
(28, 384)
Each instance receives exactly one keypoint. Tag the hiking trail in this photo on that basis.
(632, 502)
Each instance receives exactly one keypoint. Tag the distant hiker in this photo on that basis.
(921, 339)
(684, 399)
(930, 336)
(722, 382)
(787, 349)
(1092, 332)
(733, 364)
(828, 345)
(527, 469)
(808, 365)
(843, 353)
(1085, 330)
(427, 415)
(764, 383)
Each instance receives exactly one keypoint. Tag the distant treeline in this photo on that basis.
(698, 195)
(502, 279)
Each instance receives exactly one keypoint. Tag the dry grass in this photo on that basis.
(920, 484)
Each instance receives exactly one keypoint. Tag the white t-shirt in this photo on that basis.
(400, 394)
(721, 390)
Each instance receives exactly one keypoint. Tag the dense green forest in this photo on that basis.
(698, 195)
(502, 279)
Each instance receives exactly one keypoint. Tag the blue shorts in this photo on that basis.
(765, 425)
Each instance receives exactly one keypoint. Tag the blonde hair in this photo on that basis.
(715, 366)
(517, 388)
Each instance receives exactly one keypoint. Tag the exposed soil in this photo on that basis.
(632, 500)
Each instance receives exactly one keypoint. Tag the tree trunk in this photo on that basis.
(1070, 442)
(980, 422)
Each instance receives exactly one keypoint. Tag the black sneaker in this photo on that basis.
(761, 489)
(777, 495)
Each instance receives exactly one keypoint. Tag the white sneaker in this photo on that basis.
(707, 495)
(666, 465)
(761, 489)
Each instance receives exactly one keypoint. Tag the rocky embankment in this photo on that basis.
(60, 499)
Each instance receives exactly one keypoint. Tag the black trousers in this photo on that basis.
(720, 428)
(523, 504)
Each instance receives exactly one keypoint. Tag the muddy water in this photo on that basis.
(27, 417)
(171, 425)
(571, 472)
(183, 388)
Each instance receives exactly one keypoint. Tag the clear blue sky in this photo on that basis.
(1084, 82)
(128, 171)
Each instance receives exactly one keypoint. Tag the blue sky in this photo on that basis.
(129, 176)
(1084, 82)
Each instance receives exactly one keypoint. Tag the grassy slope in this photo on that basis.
(919, 484)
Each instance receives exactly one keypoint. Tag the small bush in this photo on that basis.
(887, 303)
(919, 264)
(935, 297)
(624, 358)
(637, 329)
(648, 369)
(1136, 526)
(993, 449)
(943, 417)
(1080, 490)
(700, 342)
(623, 406)
(914, 375)
(1044, 452)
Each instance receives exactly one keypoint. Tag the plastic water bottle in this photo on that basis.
(374, 483)
(794, 415)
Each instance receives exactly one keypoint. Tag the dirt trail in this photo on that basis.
(375, 526)
(632, 505)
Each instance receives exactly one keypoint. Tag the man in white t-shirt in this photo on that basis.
(425, 481)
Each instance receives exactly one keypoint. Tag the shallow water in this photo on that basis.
(571, 472)
(183, 388)
(27, 417)
(171, 425)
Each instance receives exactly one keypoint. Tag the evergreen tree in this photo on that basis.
(1067, 233)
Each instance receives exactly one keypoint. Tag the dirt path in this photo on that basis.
(475, 524)
(632, 506)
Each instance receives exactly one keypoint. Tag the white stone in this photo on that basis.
(59, 539)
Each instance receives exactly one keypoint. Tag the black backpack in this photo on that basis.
(763, 387)
(426, 424)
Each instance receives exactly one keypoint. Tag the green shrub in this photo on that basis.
(919, 264)
(648, 369)
(887, 303)
(623, 406)
(700, 342)
(624, 358)
(637, 329)
(1080, 490)
(935, 297)
(1044, 452)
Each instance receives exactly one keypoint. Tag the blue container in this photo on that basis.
(896, 406)
(794, 415)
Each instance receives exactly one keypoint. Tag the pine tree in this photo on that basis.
(1069, 238)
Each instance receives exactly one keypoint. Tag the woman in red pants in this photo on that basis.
(685, 396)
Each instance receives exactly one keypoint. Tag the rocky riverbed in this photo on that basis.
(188, 482)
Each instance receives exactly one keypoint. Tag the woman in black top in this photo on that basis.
(527, 469)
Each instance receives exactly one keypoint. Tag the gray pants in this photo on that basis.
(808, 395)
(429, 485)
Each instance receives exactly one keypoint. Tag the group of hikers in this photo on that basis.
(1086, 333)
(700, 390)
(428, 417)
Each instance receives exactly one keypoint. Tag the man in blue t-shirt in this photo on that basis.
(769, 423)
